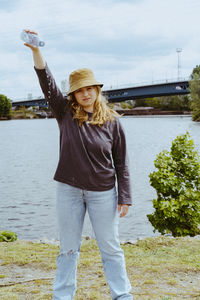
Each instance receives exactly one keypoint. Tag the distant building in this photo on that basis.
(64, 87)
(29, 96)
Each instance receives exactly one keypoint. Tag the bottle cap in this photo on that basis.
(41, 43)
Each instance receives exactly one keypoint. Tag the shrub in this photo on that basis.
(177, 183)
(7, 236)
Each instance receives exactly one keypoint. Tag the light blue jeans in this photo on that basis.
(72, 203)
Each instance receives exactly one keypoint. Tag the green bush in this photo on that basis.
(7, 236)
(177, 183)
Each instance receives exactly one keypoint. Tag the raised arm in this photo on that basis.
(48, 85)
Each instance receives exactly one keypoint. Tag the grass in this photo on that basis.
(158, 268)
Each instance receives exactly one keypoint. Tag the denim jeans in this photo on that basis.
(72, 203)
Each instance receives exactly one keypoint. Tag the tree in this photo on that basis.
(194, 87)
(140, 102)
(177, 183)
(196, 71)
(176, 103)
(5, 107)
(195, 96)
(153, 102)
(125, 105)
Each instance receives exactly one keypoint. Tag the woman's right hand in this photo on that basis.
(39, 61)
(33, 48)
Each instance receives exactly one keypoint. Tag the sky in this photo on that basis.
(123, 41)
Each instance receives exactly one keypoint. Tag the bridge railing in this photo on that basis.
(28, 99)
(120, 86)
(145, 83)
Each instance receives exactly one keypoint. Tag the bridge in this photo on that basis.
(128, 93)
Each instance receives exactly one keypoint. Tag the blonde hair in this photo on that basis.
(102, 113)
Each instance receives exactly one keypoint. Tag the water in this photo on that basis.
(28, 159)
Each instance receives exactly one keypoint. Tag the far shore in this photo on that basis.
(25, 114)
(144, 112)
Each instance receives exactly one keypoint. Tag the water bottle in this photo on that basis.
(32, 39)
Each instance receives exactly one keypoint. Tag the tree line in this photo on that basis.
(170, 103)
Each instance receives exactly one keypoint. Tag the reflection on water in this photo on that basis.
(29, 152)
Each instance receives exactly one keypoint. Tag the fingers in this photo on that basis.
(30, 31)
(28, 45)
(31, 47)
(119, 208)
(123, 209)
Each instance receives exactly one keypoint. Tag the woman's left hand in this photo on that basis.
(123, 209)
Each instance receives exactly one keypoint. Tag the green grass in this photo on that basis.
(158, 268)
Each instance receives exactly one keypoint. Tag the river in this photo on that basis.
(29, 151)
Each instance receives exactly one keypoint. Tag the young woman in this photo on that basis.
(92, 156)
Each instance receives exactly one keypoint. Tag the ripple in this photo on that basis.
(145, 139)
(10, 206)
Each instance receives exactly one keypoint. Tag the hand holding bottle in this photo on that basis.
(31, 39)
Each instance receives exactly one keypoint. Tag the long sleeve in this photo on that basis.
(120, 159)
(51, 92)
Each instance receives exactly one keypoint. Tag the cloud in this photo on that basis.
(121, 41)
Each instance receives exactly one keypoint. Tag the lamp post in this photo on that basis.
(178, 50)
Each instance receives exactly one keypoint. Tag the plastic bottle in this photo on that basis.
(32, 39)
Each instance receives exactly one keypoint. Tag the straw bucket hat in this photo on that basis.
(81, 78)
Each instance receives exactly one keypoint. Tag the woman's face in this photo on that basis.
(86, 97)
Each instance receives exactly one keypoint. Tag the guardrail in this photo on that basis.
(120, 86)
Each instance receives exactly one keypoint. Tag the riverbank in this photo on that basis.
(143, 111)
(158, 268)
(24, 113)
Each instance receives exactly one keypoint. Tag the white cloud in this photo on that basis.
(122, 41)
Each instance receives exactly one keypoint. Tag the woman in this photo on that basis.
(92, 155)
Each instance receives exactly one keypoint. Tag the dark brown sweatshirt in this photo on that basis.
(91, 157)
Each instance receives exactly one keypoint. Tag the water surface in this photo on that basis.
(29, 151)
